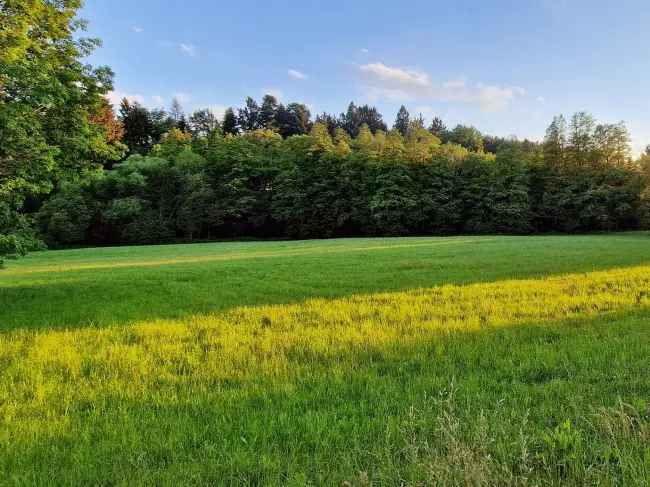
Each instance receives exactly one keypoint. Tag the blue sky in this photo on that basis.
(505, 66)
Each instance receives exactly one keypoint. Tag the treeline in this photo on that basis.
(190, 179)
(144, 128)
(73, 172)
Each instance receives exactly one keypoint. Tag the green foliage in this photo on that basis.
(468, 137)
(49, 102)
(561, 449)
(11, 246)
(395, 203)
(65, 218)
(259, 184)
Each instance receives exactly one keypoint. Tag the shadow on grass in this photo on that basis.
(122, 295)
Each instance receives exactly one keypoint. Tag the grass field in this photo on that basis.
(406, 361)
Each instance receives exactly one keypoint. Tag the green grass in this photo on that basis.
(407, 361)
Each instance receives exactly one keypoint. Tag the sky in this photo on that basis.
(505, 66)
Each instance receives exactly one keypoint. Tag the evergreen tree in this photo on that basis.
(402, 121)
(229, 125)
(176, 111)
(352, 120)
(372, 118)
(330, 121)
(138, 127)
(268, 112)
(293, 119)
(182, 124)
(437, 127)
(349, 121)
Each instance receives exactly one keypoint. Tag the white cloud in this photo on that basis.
(401, 84)
(295, 74)
(116, 97)
(137, 29)
(189, 49)
(495, 98)
(364, 50)
(540, 99)
(396, 77)
(273, 92)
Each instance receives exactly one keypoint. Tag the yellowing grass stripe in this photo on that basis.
(44, 373)
(124, 263)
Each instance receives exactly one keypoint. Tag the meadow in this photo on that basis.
(487, 360)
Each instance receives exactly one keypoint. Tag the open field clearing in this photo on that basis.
(406, 361)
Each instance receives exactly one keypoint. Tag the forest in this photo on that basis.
(76, 171)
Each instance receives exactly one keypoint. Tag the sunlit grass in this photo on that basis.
(519, 381)
(111, 286)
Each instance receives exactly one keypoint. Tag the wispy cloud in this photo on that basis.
(116, 97)
(295, 74)
(153, 101)
(364, 50)
(189, 49)
(403, 84)
(137, 29)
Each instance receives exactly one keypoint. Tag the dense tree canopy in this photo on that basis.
(74, 173)
(54, 122)
(320, 181)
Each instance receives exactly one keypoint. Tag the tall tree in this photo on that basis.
(268, 111)
(248, 117)
(293, 119)
(402, 121)
(555, 142)
(437, 127)
(582, 140)
(176, 111)
(371, 117)
(349, 121)
(48, 93)
(138, 127)
(330, 121)
(352, 120)
(613, 144)
(203, 122)
(229, 125)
